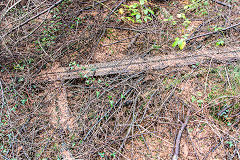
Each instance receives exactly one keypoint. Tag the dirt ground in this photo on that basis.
(53, 106)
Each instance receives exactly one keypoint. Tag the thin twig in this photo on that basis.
(30, 19)
(212, 150)
(192, 145)
(133, 40)
(33, 29)
(205, 89)
(211, 33)
(178, 140)
(3, 14)
(2, 94)
(228, 78)
(222, 3)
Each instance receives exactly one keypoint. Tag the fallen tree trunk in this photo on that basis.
(140, 64)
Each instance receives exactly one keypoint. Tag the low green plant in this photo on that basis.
(72, 65)
(181, 43)
(50, 31)
(97, 93)
(171, 20)
(220, 89)
(186, 20)
(102, 155)
(216, 28)
(220, 42)
(113, 154)
(197, 6)
(230, 144)
(137, 12)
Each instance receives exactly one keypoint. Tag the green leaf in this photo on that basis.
(146, 18)
(230, 143)
(176, 42)
(139, 21)
(130, 19)
(97, 93)
(113, 154)
(182, 44)
(185, 36)
(145, 11)
(127, 6)
(142, 2)
(138, 16)
(220, 42)
(24, 101)
(101, 154)
(200, 101)
(156, 47)
(151, 11)
(111, 103)
(174, 22)
(193, 99)
(150, 18)
(179, 15)
(134, 13)
(199, 94)
(134, 5)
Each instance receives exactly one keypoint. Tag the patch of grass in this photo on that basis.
(224, 84)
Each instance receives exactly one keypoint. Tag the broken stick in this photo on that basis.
(178, 140)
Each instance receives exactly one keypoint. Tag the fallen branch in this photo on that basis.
(178, 140)
(135, 65)
(222, 3)
(211, 33)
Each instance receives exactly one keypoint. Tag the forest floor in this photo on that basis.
(120, 79)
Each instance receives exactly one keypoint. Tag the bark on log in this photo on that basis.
(140, 64)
